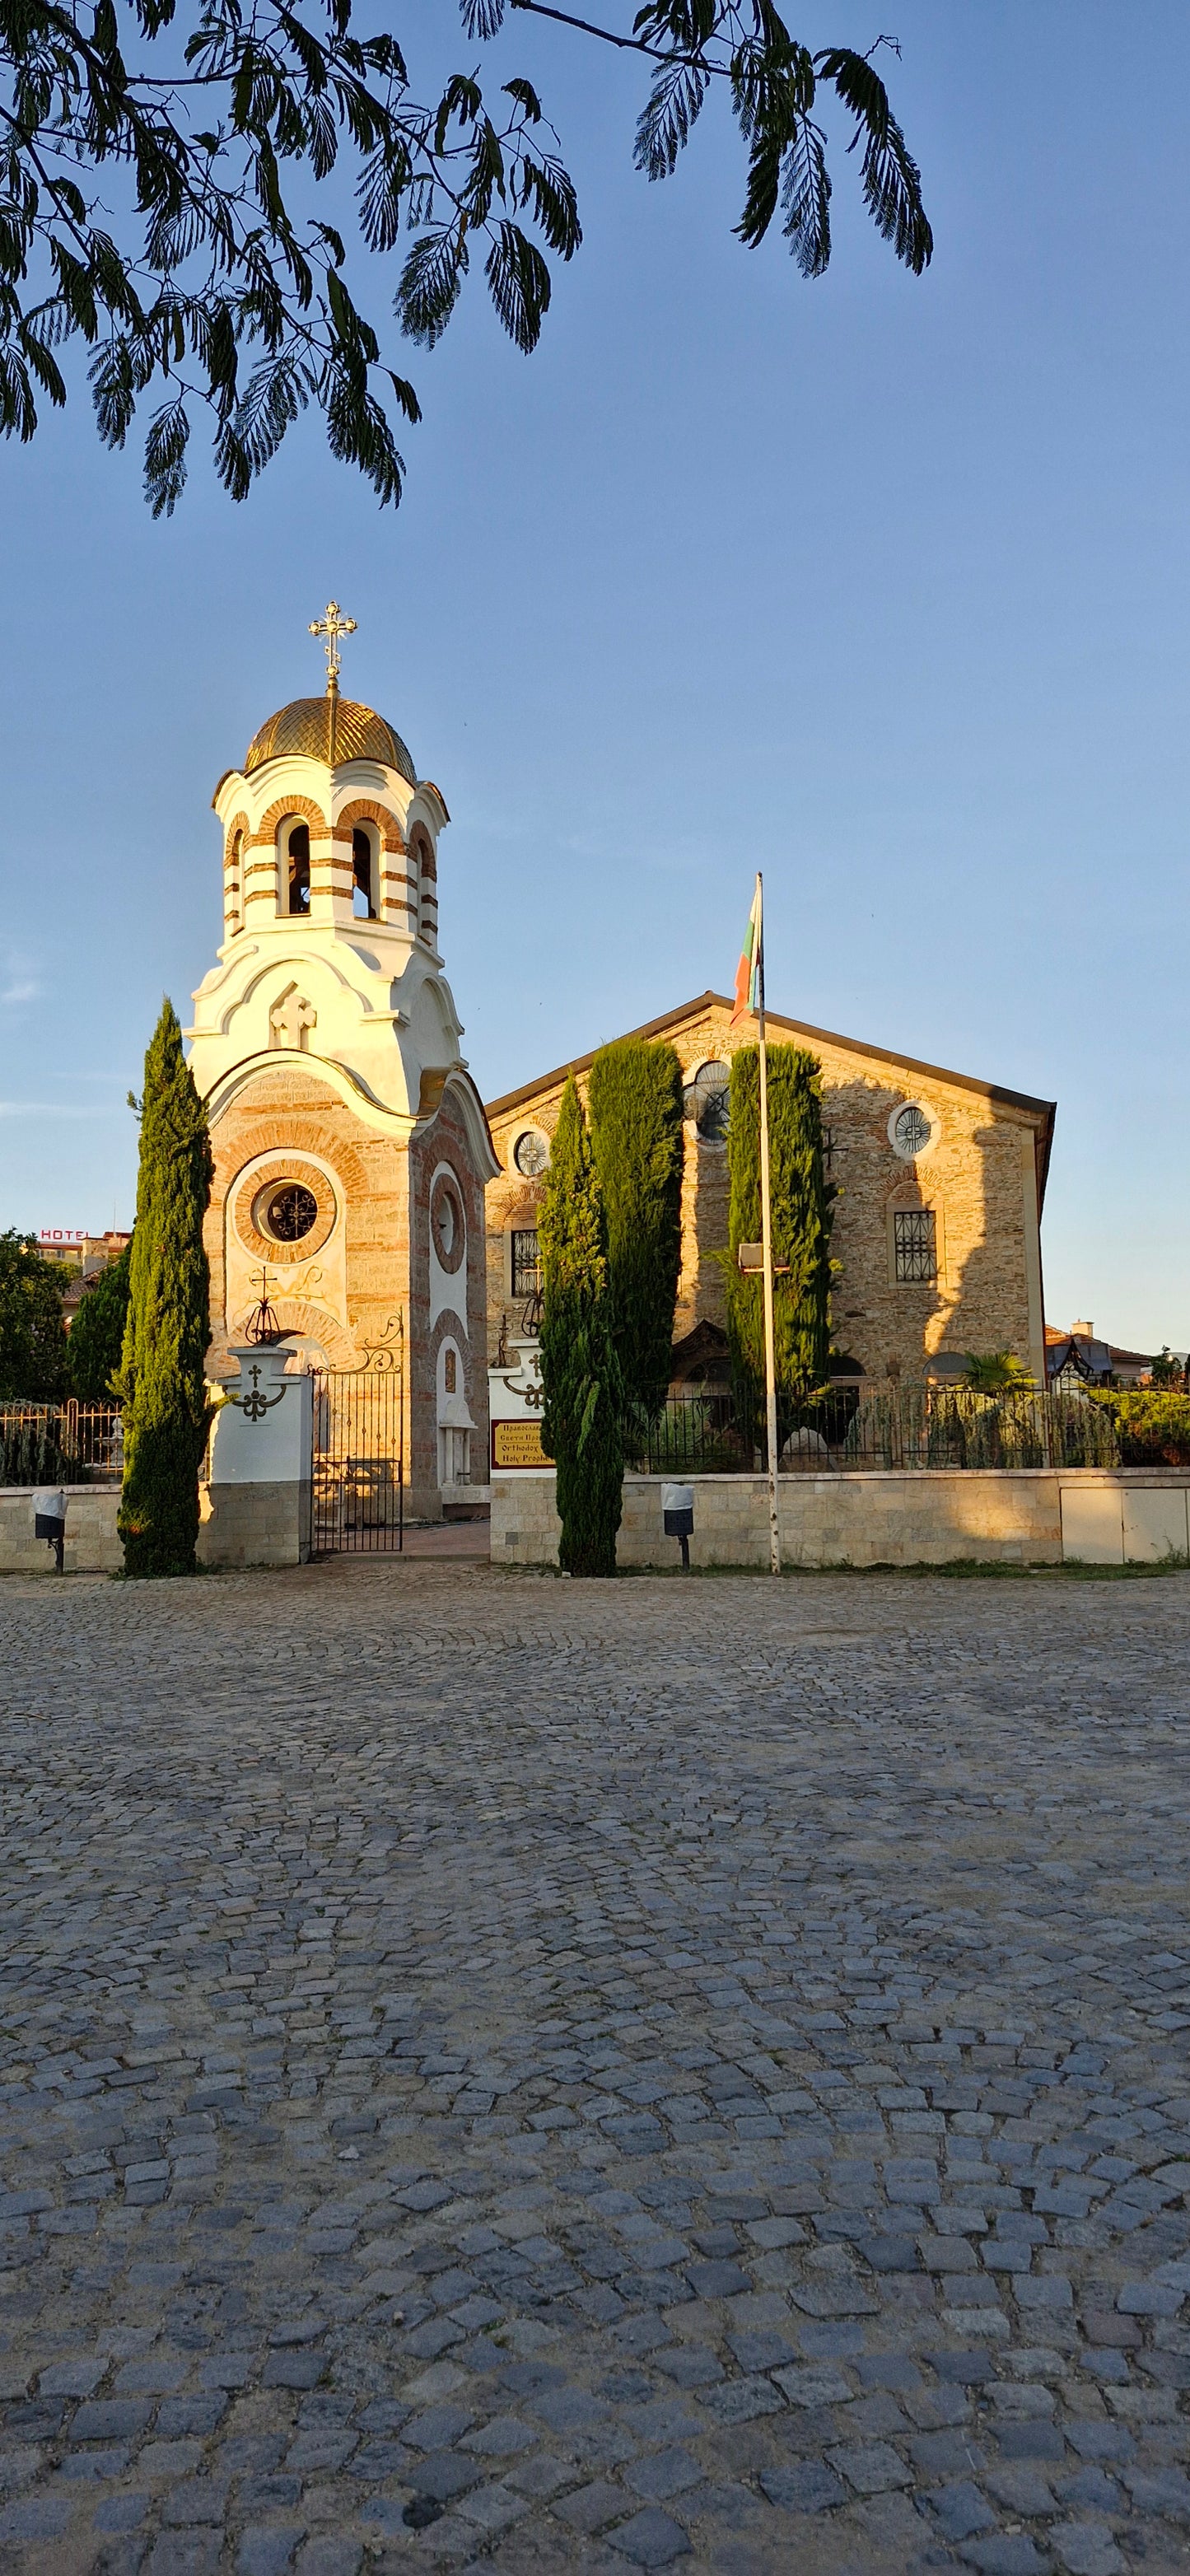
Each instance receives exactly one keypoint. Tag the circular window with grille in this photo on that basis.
(911, 1131)
(283, 1209)
(531, 1153)
(288, 1214)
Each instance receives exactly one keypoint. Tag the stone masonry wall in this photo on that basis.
(445, 1141)
(979, 1177)
(1037, 1516)
(293, 1114)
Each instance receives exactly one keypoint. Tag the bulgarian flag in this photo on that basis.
(749, 974)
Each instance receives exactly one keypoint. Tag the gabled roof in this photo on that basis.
(1040, 1113)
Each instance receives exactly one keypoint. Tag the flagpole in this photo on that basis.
(766, 1242)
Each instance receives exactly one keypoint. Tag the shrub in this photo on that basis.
(1153, 1426)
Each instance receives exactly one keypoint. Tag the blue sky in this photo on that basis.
(879, 584)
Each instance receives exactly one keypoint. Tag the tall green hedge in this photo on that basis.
(96, 1344)
(582, 1422)
(635, 1106)
(161, 1381)
(32, 1332)
(802, 1214)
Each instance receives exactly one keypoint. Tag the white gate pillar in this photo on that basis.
(256, 1504)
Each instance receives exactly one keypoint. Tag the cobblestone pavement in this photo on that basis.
(540, 2076)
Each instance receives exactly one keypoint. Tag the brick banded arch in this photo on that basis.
(303, 811)
(239, 823)
(234, 869)
(366, 810)
(295, 1131)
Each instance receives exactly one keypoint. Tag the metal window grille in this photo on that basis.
(526, 1261)
(915, 1244)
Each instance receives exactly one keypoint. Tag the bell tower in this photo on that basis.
(350, 1142)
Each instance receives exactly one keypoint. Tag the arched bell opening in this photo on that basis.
(365, 873)
(295, 869)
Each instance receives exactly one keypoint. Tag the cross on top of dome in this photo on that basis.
(331, 626)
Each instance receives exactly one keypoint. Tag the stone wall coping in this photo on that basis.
(838, 1479)
(12, 1493)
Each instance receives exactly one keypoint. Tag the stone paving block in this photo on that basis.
(268, 2549)
(1005, 2554)
(650, 2539)
(1086, 2548)
(329, 2554)
(961, 2509)
(111, 2419)
(72, 2378)
(804, 2486)
(444, 2475)
(592, 2508)
(185, 2553)
(35, 2518)
(870, 2467)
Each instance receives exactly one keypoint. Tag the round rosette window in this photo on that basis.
(531, 1153)
(289, 1213)
(448, 1225)
(911, 1132)
(284, 1210)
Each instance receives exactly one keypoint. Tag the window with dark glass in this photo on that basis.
(298, 865)
(363, 901)
(706, 1102)
(526, 1261)
(915, 1244)
(291, 1212)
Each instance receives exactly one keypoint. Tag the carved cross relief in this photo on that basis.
(291, 1020)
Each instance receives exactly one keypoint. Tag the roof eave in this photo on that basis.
(1040, 1112)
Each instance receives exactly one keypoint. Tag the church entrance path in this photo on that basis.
(450, 1539)
(513, 2074)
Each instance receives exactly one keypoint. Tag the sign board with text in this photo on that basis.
(518, 1444)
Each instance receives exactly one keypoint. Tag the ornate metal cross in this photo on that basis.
(331, 627)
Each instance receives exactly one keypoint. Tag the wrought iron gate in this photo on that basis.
(359, 1460)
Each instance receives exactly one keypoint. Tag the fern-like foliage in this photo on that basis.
(221, 285)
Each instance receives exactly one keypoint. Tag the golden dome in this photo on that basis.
(304, 726)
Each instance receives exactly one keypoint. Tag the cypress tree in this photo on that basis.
(802, 1216)
(96, 1342)
(635, 1101)
(582, 1422)
(161, 1381)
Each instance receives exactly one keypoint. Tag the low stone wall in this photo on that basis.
(92, 1546)
(240, 1525)
(262, 1524)
(1031, 1516)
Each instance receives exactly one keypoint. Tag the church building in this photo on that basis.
(937, 1225)
(351, 1148)
(367, 1208)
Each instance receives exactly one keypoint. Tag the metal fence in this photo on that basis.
(708, 1434)
(61, 1444)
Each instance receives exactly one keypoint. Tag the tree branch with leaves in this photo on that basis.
(215, 281)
